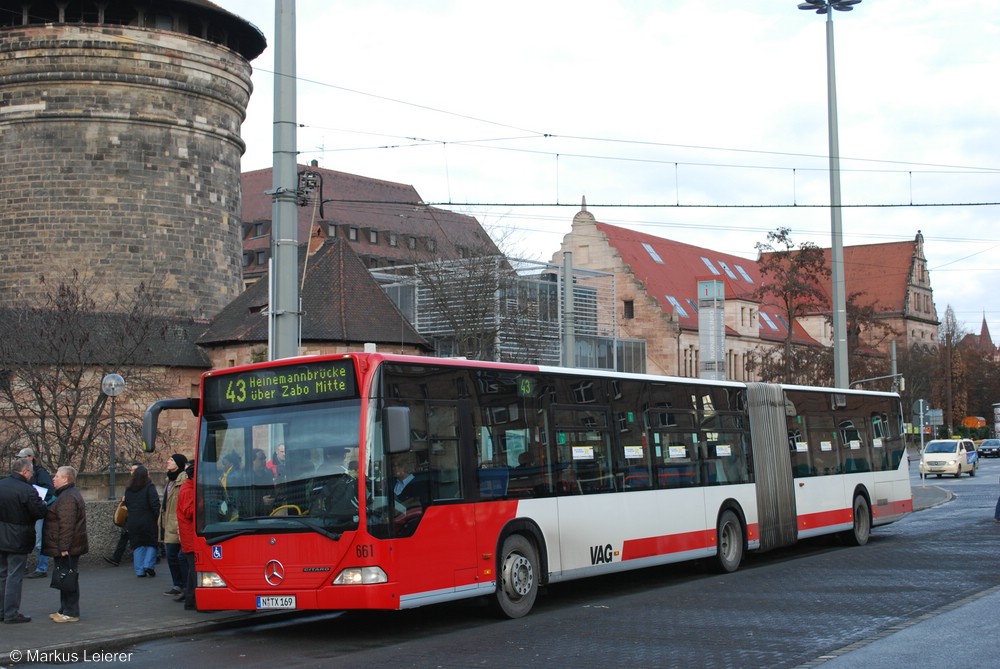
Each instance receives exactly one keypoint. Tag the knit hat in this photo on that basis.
(179, 460)
(26, 453)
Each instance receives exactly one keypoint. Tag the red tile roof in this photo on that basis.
(879, 272)
(679, 269)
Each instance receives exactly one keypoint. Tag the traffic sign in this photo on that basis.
(935, 417)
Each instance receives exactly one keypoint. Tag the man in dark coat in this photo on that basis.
(20, 507)
(39, 477)
(66, 538)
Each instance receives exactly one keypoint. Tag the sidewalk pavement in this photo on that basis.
(117, 609)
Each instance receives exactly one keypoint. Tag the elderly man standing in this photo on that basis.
(66, 538)
(20, 507)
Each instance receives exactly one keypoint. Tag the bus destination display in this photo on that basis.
(278, 386)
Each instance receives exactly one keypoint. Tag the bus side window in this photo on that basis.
(493, 482)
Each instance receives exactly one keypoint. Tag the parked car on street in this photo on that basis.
(989, 448)
(949, 456)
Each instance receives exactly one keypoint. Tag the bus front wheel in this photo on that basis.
(730, 539)
(517, 586)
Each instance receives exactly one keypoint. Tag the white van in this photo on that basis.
(949, 456)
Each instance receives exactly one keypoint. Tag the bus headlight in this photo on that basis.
(209, 579)
(361, 576)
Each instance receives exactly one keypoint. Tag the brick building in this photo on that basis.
(385, 223)
(658, 279)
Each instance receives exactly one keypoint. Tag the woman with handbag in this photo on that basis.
(65, 539)
(143, 504)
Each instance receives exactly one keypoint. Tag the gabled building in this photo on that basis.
(657, 283)
(385, 223)
(891, 278)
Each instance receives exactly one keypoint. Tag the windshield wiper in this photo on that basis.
(301, 520)
(211, 541)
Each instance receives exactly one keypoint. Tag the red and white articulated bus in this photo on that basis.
(408, 481)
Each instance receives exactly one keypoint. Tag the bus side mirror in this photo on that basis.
(396, 429)
(152, 416)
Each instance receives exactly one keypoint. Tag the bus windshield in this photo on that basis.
(283, 468)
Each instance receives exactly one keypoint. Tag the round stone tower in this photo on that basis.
(120, 148)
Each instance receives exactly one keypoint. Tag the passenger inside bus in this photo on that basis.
(259, 499)
(333, 492)
(292, 495)
(231, 481)
(408, 489)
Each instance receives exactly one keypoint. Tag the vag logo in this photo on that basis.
(601, 554)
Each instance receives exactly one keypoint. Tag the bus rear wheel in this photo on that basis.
(861, 530)
(730, 540)
(517, 586)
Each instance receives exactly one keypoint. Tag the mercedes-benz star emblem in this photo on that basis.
(274, 572)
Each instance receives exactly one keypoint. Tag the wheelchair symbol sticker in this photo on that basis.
(216, 552)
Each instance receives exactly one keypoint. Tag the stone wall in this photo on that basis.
(120, 154)
(101, 531)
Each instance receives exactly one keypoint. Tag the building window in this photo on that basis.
(261, 258)
(259, 229)
(411, 243)
(393, 239)
(431, 245)
(373, 236)
(629, 309)
(352, 234)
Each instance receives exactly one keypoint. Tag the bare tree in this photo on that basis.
(868, 338)
(792, 280)
(949, 390)
(53, 356)
(919, 364)
(951, 328)
(461, 298)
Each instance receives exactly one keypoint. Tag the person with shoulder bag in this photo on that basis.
(65, 539)
(120, 519)
(143, 504)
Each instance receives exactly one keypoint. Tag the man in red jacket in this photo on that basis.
(185, 530)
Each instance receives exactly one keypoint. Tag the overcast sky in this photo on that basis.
(656, 104)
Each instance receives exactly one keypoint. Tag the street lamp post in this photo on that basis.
(841, 376)
(112, 385)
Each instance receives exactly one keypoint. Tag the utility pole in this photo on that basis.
(284, 312)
